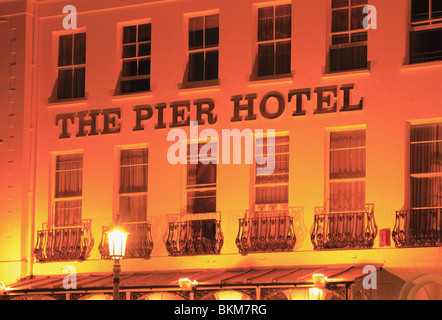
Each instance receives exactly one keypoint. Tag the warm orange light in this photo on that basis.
(315, 294)
(319, 280)
(3, 287)
(186, 284)
(117, 244)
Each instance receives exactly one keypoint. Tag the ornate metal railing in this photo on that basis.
(64, 243)
(344, 230)
(418, 228)
(195, 234)
(266, 231)
(139, 240)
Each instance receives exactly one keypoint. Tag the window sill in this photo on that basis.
(135, 95)
(67, 102)
(354, 72)
(267, 80)
(420, 65)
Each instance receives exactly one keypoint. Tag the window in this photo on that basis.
(347, 171)
(201, 182)
(136, 57)
(426, 166)
(71, 66)
(348, 49)
(133, 185)
(68, 190)
(274, 44)
(203, 48)
(273, 188)
(426, 31)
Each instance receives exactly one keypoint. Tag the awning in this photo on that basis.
(208, 278)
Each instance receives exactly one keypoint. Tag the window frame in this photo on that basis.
(56, 51)
(120, 60)
(281, 205)
(418, 26)
(327, 163)
(349, 44)
(255, 67)
(205, 82)
(410, 175)
(53, 198)
(118, 195)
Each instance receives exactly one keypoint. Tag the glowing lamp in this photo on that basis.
(186, 284)
(117, 244)
(319, 280)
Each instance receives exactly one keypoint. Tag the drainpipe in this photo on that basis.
(33, 141)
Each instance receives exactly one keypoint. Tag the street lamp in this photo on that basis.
(117, 249)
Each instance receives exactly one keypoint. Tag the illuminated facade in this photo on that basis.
(357, 177)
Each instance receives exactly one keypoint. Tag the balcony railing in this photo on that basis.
(265, 231)
(195, 234)
(139, 240)
(418, 228)
(344, 230)
(64, 243)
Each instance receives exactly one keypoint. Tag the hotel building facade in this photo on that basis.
(96, 97)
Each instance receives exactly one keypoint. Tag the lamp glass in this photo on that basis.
(117, 244)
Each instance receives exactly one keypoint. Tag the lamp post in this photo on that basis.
(117, 249)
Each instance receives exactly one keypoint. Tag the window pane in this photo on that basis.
(79, 82)
(265, 24)
(65, 50)
(347, 196)
(196, 32)
(68, 176)
(133, 208)
(130, 34)
(67, 213)
(196, 66)
(420, 10)
(347, 139)
(271, 195)
(144, 32)
(347, 164)
(144, 67)
(350, 58)
(133, 170)
(283, 57)
(211, 71)
(359, 37)
(436, 9)
(340, 39)
(80, 48)
(64, 84)
(212, 31)
(144, 49)
(139, 85)
(340, 20)
(130, 51)
(339, 3)
(426, 192)
(266, 59)
(357, 18)
(201, 174)
(426, 45)
(201, 201)
(283, 22)
(129, 68)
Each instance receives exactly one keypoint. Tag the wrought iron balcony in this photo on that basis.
(344, 230)
(195, 234)
(64, 243)
(264, 231)
(139, 240)
(418, 228)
